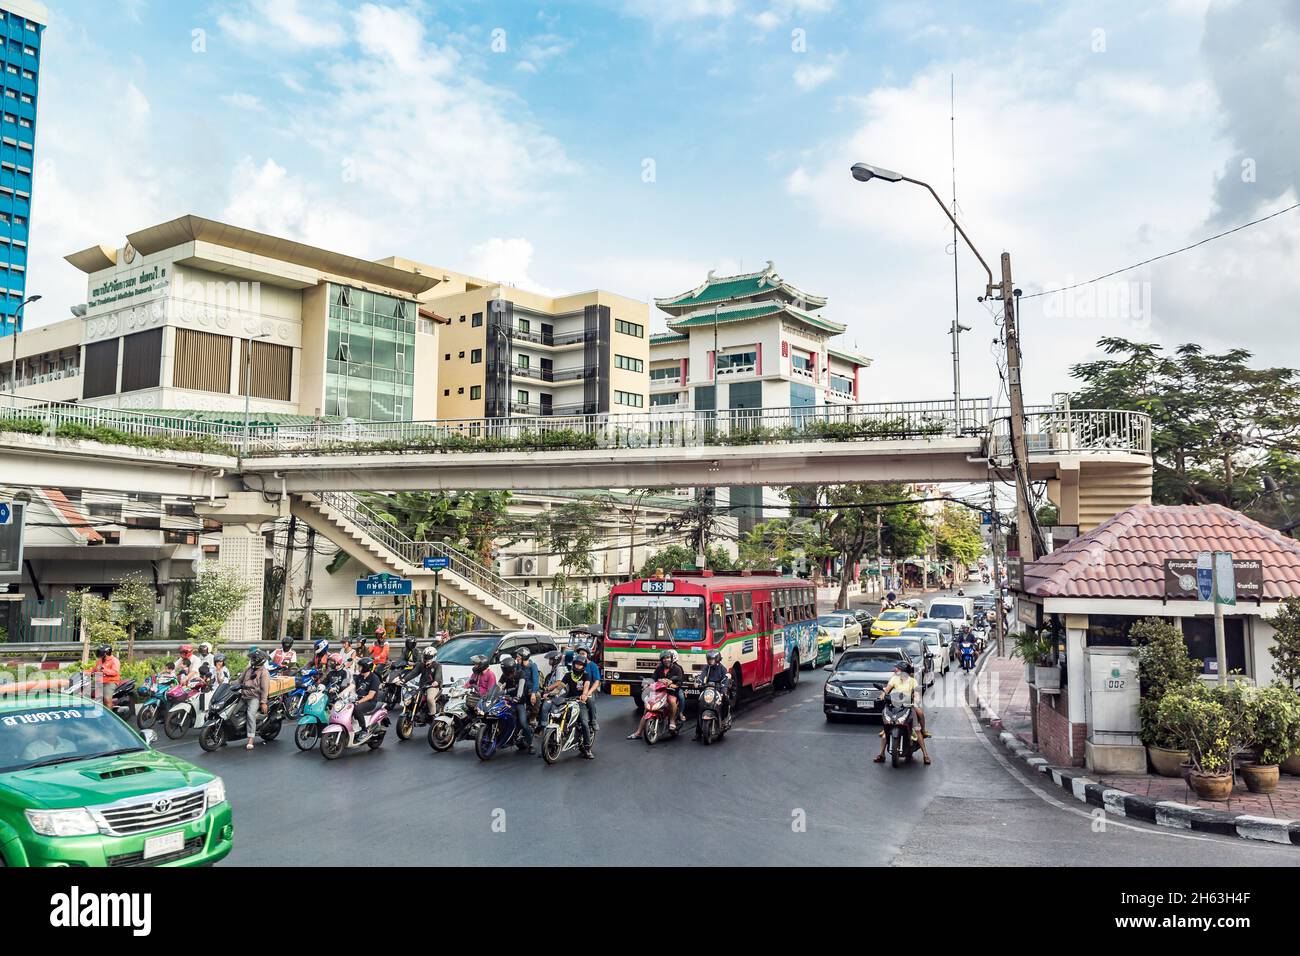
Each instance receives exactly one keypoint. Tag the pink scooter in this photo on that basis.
(340, 734)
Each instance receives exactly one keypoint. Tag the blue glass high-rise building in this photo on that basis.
(22, 25)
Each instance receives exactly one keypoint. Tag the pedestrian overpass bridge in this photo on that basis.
(1095, 462)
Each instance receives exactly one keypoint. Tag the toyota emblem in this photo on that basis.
(162, 805)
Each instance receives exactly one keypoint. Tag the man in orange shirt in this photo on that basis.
(108, 674)
(379, 652)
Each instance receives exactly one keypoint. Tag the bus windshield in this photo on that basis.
(655, 617)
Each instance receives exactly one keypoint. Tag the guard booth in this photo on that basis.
(1113, 741)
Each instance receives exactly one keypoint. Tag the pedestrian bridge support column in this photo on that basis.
(243, 552)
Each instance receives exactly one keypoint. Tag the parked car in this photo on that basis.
(844, 629)
(892, 621)
(454, 656)
(81, 787)
(917, 652)
(855, 682)
(939, 654)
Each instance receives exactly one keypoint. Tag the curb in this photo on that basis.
(1162, 813)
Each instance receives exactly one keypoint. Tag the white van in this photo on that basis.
(956, 609)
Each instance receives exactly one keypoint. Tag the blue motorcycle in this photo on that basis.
(499, 727)
(967, 651)
(303, 684)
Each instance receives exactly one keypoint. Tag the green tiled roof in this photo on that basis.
(854, 357)
(722, 289)
(661, 338)
(705, 317)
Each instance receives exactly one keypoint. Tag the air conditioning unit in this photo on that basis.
(528, 566)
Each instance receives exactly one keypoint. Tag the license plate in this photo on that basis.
(620, 690)
(162, 845)
(866, 704)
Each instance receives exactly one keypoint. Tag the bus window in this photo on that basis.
(717, 624)
(653, 617)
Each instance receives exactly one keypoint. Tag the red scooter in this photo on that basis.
(655, 695)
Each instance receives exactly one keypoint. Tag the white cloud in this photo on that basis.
(538, 51)
(284, 23)
(673, 11)
(810, 75)
(508, 261)
(244, 101)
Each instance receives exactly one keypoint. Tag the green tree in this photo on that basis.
(696, 524)
(1217, 424)
(570, 531)
(778, 542)
(1286, 649)
(135, 600)
(675, 557)
(957, 536)
(217, 594)
(97, 618)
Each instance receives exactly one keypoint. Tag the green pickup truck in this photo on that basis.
(80, 787)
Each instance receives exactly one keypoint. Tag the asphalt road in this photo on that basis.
(784, 787)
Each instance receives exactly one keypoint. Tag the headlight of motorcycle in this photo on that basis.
(60, 823)
(835, 689)
(216, 792)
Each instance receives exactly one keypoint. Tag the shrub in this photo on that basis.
(1286, 647)
(1163, 666)
(322, 625)
(1206, 723)
(1273, 723)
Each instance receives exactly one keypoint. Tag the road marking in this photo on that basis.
(824, 733)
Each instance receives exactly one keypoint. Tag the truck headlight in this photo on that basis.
(216, 792)
(59, 823)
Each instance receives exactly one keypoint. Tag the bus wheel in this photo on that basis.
(735, 684)
(792, 673)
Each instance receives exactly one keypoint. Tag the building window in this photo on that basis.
(1198, 632)
(629, 328)
(663, 398)
(737, 360)
(633, 399)
(629, 363)
(521, 396)
(525, 326)
(476, 356)
(201, 361)
(841, 384)
(801, 362)
(668, 373)
(524, 362)
(475, 392)
(478, 320)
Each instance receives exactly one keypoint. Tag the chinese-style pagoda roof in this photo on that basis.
(755, 286)
(745, 311)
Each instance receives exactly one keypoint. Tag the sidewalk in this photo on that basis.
(1003, 687)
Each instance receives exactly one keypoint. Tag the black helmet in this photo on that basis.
(366, 665)
(287, 643)
(906, 667)
(507, 662)
(523, 654)
(553, 658)
(479, 663)
(714, 657)
(410, 643)
(256, 658)
(205, 671)
(578, 665)
(104, 650)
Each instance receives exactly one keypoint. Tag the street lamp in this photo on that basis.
(248, 385)
(13, 369)
(863, 173)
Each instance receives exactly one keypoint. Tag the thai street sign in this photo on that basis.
(1181, 579)
(383, 585)
(437, 564)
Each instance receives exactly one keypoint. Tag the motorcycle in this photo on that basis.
(304, 682)
(498, 727)
(457, 720)
(563, 731)
(183, 707)
(153, 694)
(227, 719)
(654, 698)
(898, 717)
(315, 715)
(713, 718)
(412, 707)
(966, 652)
(83, 684)
(341, 734)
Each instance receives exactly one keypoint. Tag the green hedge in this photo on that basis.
(112, 436)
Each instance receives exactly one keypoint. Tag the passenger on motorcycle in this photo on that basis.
(349, 655)
(526, 665)
(410, 653)
(204, 655)
(367, 690)
(320, 657)
(337, 678)
(254, 690)
(428, 676)
(481, 678)
(592, 673)
(285, 655)
(186, 665)
(668, 670)
(514, 684)
(108, 674)
(904, 681)
(220, 672)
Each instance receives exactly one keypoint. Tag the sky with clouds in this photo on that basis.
(633, 145)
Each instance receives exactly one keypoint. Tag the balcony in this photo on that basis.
(553, 340)
(538, 374)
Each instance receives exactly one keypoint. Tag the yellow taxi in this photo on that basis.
(891, 622)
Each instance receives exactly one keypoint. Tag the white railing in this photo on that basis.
(371, 521)
(1064, 431)
(51, 417)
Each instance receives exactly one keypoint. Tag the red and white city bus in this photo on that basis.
(764, 623)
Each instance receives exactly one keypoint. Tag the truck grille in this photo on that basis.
(192, 846)
(154, 812)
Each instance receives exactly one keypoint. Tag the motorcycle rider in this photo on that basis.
(575, 684)
(320, 657)
(285, 655)
(108, 674)
(220, 672)
(592, 671)
(668, 670)
(514, 684)
(410, 653)
(904, 681)
(254, 690)
(337, 677)
(428, 676)
(186, 665)
(203, 654)
(367, 689)
(715, 673)
(524, 661)
(349, 655)
(379, 652)
(481, 678)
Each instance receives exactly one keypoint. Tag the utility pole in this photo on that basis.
(999, 630)
(306, 585)
(880, 556)
(282, 629)
(1019, 448)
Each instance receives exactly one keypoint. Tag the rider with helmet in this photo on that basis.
(715, 673)
(108, 674)
(410, 653)
(481, 678)
(255, 691)
(337, 678)
(186, 665)
(514, 684)
(904, 681)
(285, 655)
(428, 675)
(320, 655)
(575, 685)
(671, 672)
(592, 671)
(203, 655)
(220, 672)
(379, 652)
(367, 689)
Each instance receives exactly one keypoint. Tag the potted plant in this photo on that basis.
(1163, 666)
(1209, 725)
(1286, 661)
(1273, 726)
(1035, 649)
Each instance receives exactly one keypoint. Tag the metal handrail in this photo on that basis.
(52, 414)
(414, 552)
(1059, 430)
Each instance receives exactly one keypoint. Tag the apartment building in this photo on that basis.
(22, 35)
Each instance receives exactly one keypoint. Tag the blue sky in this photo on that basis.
(514, 140)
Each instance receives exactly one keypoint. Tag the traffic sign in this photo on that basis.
(1205, 576)
(383, 585)
(1225, 578)
(437, 564)
(6, 513)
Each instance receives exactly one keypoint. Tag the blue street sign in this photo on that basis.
(1205, 576)
(437, 564)
(383, 585)
(6, 515)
